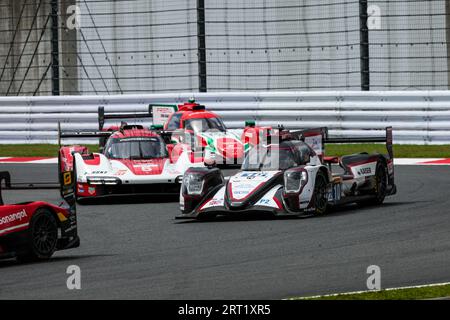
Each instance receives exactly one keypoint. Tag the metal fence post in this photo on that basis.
(447, 37)
(201, 45)
(364, 46)
(55, 48)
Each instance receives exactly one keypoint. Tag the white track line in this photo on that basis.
(41, 161)
(368, 291)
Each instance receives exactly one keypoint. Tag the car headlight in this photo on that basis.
(194, 183)
(294, 180)
(103, 180)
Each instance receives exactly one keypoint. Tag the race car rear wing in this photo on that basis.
(67, 189)
(102, 116)
(102, 135)
(387, 139)
(317, 138)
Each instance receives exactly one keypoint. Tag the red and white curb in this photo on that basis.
(398, 161)
(31, 160)
(422, 162)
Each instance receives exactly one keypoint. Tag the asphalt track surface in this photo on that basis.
(138, 251)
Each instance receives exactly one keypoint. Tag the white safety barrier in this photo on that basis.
(418, 117)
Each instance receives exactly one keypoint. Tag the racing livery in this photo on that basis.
(209, 133)
(133, 160)
(35, 230)
(291, 176)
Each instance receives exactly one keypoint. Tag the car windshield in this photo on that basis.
(269, 158)
(204, 124)
(136, 148)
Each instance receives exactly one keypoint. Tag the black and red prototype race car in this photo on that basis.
(32, 231)
(291, 177)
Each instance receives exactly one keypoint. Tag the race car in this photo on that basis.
(289, 175)
(33, 231)
(209, 134)
(133, 160)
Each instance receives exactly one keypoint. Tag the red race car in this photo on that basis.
(224, 146)
(33, 231)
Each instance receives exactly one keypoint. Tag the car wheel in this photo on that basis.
(320, 196)
(381, 181)
(42, 237)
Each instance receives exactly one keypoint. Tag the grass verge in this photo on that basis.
(34, 150)
(418, 293)
(400, 151)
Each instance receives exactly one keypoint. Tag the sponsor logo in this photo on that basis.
(18, 216)
(240, 192)
(244, 186)
(67, 177)
(99, 172)
(120, 172)
(364, 171)
(215, 202)
(146, 167)
(264, 202)
(253, 175)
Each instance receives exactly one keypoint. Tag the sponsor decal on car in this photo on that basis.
(146, 167)
(244, 183)
(18, 216)
(364, 170)
(99, 172)
(216, 201)
(315, 142)
(254, 175)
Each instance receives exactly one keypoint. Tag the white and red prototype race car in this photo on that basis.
(132, 160)
(291, 177)
(206, 132)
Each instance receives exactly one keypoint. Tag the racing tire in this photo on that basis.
(320, 196)
(42, 237)
(381, 182)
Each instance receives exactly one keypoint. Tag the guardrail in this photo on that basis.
(418, 117)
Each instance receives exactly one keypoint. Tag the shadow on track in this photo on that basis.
(131, 199)
(351, 208)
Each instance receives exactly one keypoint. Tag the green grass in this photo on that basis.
(430, 292)
(33, 150)
(400, 151)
